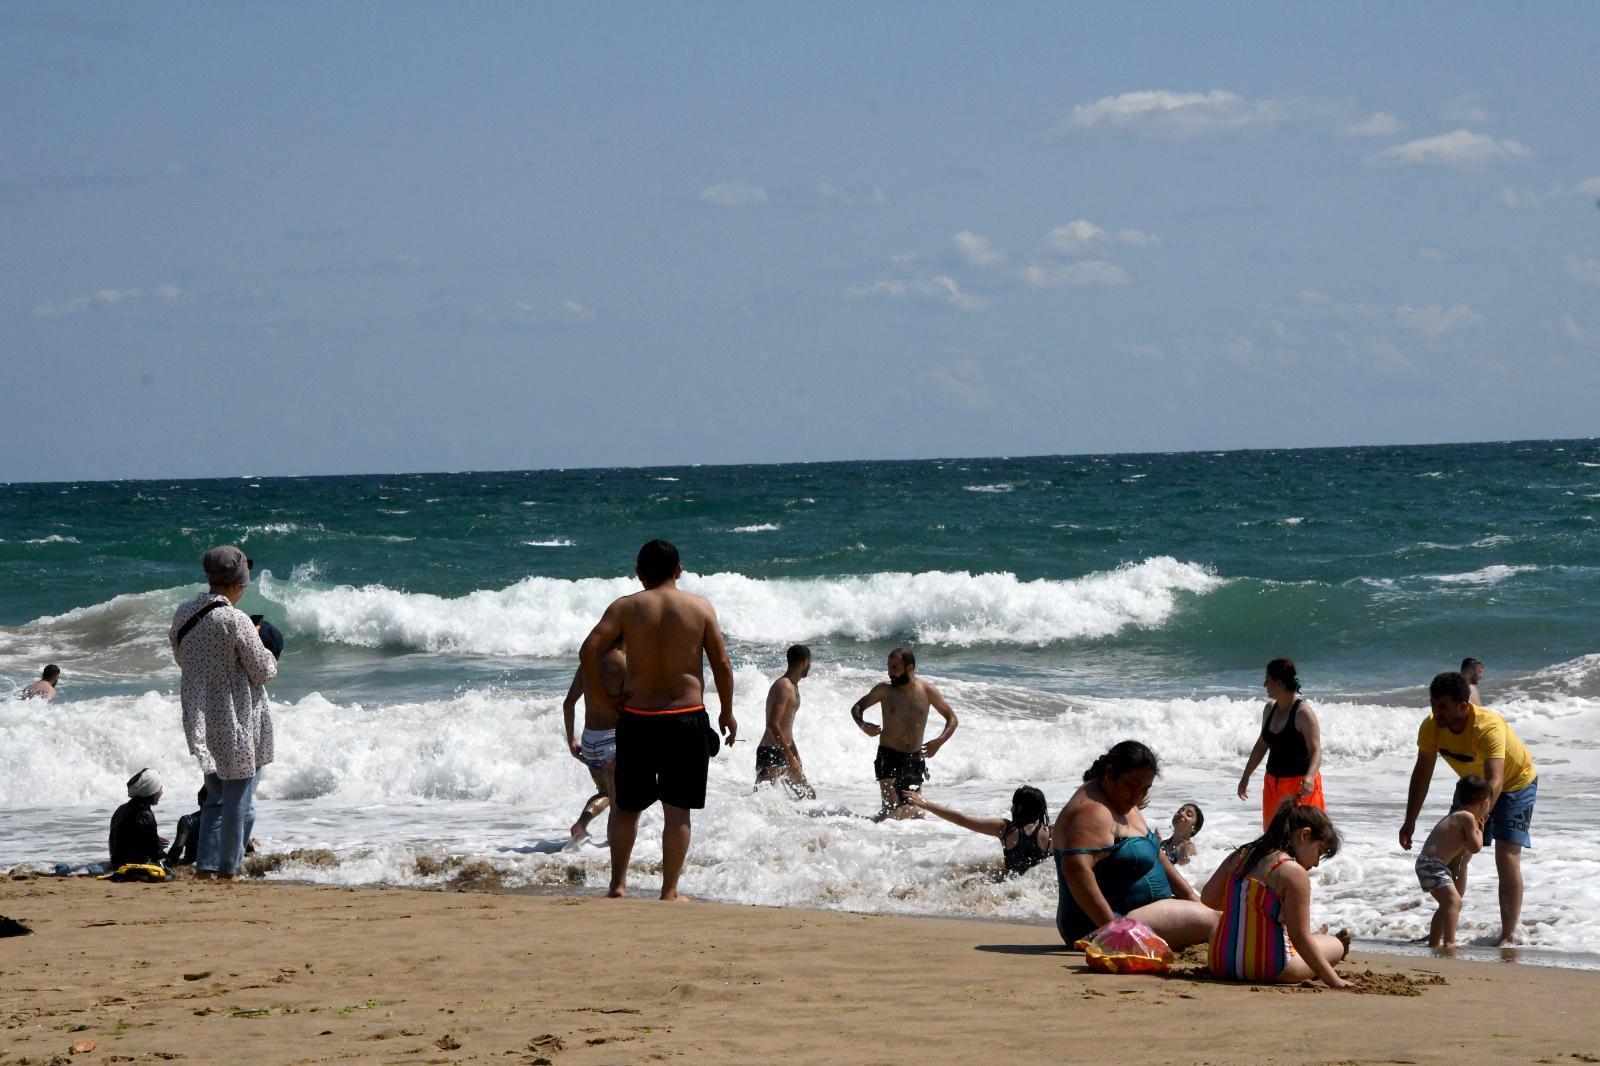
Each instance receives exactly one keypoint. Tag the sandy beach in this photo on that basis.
(299, 973)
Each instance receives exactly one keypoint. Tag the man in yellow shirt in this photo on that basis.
(1475, 740)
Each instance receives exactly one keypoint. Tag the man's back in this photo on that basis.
(664, 635)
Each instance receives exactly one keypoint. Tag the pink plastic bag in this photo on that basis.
(1126, 945)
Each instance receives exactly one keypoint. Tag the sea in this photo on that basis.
(1060, 603)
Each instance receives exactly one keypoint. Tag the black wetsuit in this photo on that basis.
(186, 841)
(134, 838)
(1026, 853)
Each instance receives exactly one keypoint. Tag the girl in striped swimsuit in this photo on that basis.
(1264, 893)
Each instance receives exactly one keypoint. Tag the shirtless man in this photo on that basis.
(598, 747)
(664, 737)
(1472, 670)
(776, 755)
(906, 698)
(45, 687)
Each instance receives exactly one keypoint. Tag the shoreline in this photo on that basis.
(296, 972)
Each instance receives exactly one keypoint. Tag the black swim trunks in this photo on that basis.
(907, 769)
(662, 757)
(770, 757)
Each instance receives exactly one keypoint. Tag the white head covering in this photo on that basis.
(144, 783)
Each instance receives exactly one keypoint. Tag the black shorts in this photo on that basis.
(770, 757)
(907, 769)
(662, 757)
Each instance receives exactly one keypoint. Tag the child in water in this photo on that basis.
(1264, 893)
(1458, 836)
(1186, 823)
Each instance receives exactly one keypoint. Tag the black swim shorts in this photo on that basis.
(662, 757)
(770, 757)
(907, 769)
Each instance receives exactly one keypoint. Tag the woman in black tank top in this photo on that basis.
(1291, 742)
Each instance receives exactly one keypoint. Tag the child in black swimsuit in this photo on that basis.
(1025, 836)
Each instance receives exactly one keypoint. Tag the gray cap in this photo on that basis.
(226, 565)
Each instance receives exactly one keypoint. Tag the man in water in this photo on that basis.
(1472, 670)
(900, 766)
(664, 738)
(777, 755)
(45, 687)
(598, 747)
(1475, 740)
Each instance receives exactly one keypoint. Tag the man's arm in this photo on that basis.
(871, 729)
(605, 631)
(569, 708)
(722, 673)
(1494, 772)
(1421, 778)
(937, 702)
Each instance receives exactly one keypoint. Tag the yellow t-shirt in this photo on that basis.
(1488, 737)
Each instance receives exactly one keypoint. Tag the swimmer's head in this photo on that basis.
(1472, 670)
(1125, 774)
(1281, 672)
(800, 659)
(1189, 818)
(658, 562)
(51, 672)
(1028, 806)
(902, 665)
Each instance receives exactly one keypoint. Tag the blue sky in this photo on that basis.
(287, 238)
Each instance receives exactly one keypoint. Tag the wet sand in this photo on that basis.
(300, 973)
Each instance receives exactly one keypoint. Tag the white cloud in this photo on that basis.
(407, 259)
(903, 258)
(977, 250)
(108, 298)
(734, 194)
(1467, 109)
(1377, 124)
(1587, 187)
(1162, 113)
(1432, 255)
(1571, 330)
(576, 311)
(1435, 320)
(1528, 198)
(963, 385)
(942, 289)
(1080, 272)
(1461, 149)
(1080, 236)
(1584, 269)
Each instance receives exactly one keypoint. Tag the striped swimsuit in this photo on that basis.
(1250, 943)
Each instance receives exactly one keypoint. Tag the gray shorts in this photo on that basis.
(1433, 874)
(599, 749)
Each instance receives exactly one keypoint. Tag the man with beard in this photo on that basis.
(901, 767)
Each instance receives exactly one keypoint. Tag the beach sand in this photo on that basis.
(301, 973)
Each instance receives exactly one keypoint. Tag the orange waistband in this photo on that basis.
(669, 710)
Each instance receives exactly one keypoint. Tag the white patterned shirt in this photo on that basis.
(225, 671)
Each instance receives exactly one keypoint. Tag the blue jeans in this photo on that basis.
(226, 820)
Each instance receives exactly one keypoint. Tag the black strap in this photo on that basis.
(194, 619)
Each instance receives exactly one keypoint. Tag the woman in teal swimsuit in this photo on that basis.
(1109, 862)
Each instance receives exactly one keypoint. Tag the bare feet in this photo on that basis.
(578, 830)
(676, 897)
(617, 892)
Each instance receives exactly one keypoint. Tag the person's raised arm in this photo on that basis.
(605, 632)
(936, 701)
(1257, 753)
(1296, 896)
(1215, 894)
(722, 673)
(1090, 830)
(569, 708)
(1417, 794)
(1306, 722)
(989, 827)
(871, 729)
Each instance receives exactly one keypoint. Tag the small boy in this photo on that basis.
(1457, 837)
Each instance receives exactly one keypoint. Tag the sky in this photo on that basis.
(357, 238)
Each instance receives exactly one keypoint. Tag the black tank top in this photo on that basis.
(1287, 755)
(1026, 853)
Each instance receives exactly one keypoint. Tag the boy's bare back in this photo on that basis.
(1458, 833)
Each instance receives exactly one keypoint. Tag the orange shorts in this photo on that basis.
(1274, 790)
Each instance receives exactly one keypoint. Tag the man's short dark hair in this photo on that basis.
(1450, 685)
(1469, 662)
(798, 654)
(906, 658)
(658, 562)
(1471, 789)
(52, 672)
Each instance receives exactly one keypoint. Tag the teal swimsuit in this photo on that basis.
(1129, 876)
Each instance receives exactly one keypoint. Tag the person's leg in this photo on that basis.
(674, 847)
(593, 805)
(1508, 864)
(235, 802)
(250, 813)
(208, 843)
(1180, 922)
(1443, 930)
(624, 826)
(1329, 947)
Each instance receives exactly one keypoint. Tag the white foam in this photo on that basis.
(541, 616)
(764, 527)
(54, 538)
(1489, 575)
(555, 542)
(1001, 486)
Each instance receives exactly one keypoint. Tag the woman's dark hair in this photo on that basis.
(1028, 807)
(1283, 672)
(1285, 825)
(1123, 758)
